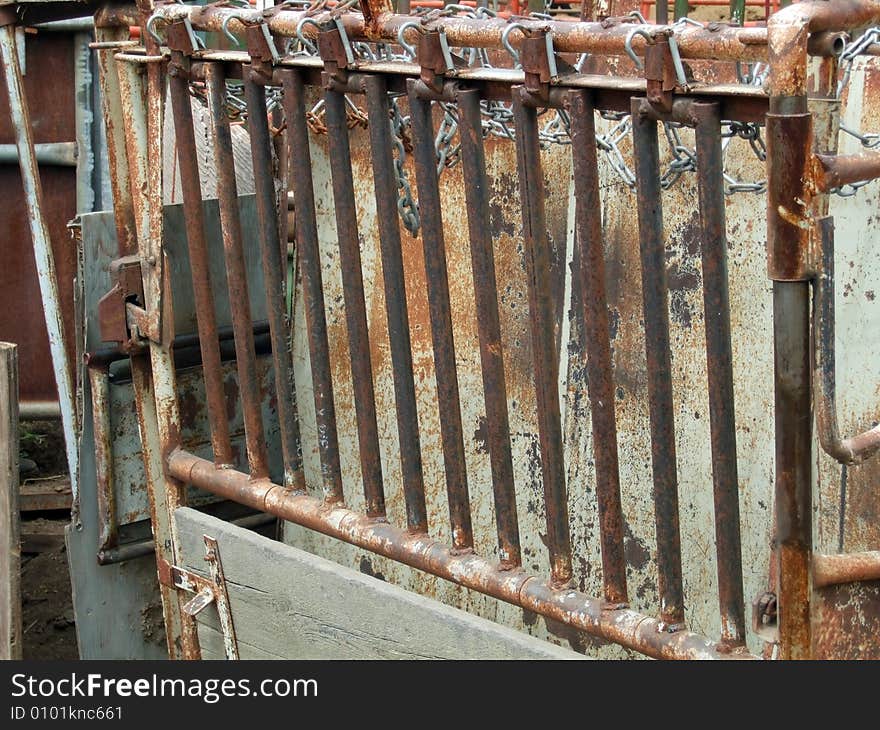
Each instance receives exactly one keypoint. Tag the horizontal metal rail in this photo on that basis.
(723, 43)
(623, 626)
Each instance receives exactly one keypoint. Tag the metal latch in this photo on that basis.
(207, 591)
(114, 307)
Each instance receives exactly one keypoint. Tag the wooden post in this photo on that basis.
(10, 555)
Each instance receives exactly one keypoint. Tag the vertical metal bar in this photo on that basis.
(476, 188)
(546, 359)
(99, 383)
(385, 184)
(194, 218)
(682, 8)
(789, 141)
(719, 357)
(274, 274)
(661, 12)
(355, 308)
(791, 332)
(307, 250)
(111, 108)
(590, 273)
(43, 256)
(153, 378)
(657, 354)
(440, 313)
(236, 273)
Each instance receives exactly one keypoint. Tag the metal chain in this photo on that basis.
(868, 140)
(406, 206)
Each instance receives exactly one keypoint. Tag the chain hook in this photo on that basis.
(505, 41)
(629, 41)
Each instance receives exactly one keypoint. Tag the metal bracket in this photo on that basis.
(538, 61)
(181, 37)
(208, 591)
(660, 73)
(435, 59)
(262, 50)
(117, 308)
(335, 51)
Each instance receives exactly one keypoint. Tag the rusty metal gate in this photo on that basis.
(409, 140)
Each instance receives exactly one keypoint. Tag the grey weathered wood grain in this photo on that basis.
(10, 550)
(290, 604)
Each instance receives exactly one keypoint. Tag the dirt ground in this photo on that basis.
(47, 606)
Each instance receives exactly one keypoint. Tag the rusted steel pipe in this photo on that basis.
(831, 570)
(789, 195)
(827, 44)
(723, 44)
(440, 312)
(388, 222)
(203, 293)
(476, 188)
(854, 449)
(793, 485)
(788, 32)
(622, 626)
(545, 351)
(719, 361)
(837, 170)
(236, 274)
(353, 296)
(657, 354)
(274, 268)
(589, 277)
(308, 251)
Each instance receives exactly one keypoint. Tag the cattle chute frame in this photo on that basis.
(365, 65)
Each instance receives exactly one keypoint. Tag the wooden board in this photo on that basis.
(289, 604)
(10, 557)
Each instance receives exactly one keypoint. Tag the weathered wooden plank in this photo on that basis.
(10, 556)
(290, 604)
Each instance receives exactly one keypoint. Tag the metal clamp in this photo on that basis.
(662, 66)
(262, 50)
(435, 59)
(335, 50)
(538, 61)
